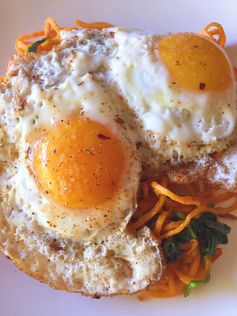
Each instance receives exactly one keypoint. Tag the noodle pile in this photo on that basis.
(157, 205)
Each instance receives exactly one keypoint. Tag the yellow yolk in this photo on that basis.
(79, 163)
(195, 63)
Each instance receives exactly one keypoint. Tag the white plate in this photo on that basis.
(19, 294)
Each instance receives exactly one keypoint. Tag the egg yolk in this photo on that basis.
(195, 62)
(79, 163)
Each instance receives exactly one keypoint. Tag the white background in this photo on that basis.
(21, 295)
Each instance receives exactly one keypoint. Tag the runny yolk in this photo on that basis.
(79, 163)
(195, 63)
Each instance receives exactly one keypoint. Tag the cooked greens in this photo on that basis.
(33, 48)
(207, 230)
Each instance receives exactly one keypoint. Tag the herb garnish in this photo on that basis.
(194, 283)
(33, 47)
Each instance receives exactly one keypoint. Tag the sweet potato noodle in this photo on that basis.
(169, 210)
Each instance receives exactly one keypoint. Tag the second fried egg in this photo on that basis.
(181, 87)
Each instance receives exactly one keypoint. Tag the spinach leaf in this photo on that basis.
(186, 235)
(177, 217)
(210, 233)
(206, 228)
(33, 47)
(171, 249)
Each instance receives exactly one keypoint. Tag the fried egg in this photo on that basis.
(77, 170)
(70, 174)
(182, 89)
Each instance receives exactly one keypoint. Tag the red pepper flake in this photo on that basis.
(119, 120)
(111, 34)
(104, 137)
(202, 85)
(22, 105)
(28, 152)
(55, 246)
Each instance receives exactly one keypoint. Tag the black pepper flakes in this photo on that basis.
(138, 145)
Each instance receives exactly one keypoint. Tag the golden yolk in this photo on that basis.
(195, 62)
(79, 163)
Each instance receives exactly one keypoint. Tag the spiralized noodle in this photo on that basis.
(215, 32)
(189, 266)
(94, 25)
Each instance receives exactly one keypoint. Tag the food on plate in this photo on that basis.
(103, 132)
